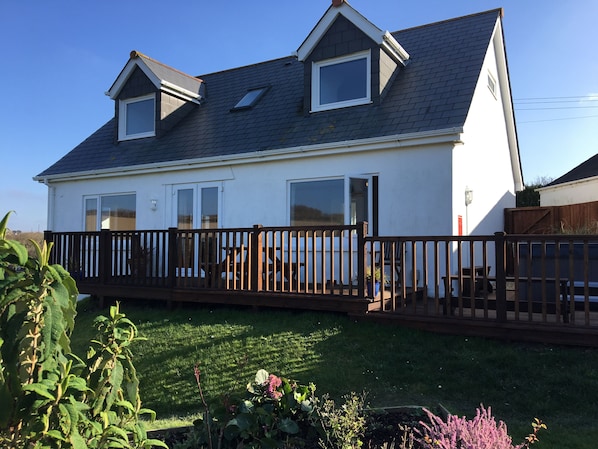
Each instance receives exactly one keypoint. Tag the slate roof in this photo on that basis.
(433, 91)
(166, 73)
(587, 169)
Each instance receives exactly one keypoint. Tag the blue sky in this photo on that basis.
(59, 57)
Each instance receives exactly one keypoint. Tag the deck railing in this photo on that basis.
(298, 260)
(498, 278)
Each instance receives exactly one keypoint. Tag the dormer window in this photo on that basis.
(341, 82)
(137, 117)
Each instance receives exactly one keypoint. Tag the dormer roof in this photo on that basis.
(165, 78)
(341, 7)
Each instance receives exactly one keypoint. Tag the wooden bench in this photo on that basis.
(574, 294)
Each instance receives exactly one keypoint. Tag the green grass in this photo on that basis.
(395, 366)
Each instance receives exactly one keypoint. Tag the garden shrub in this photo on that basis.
(277, 412)
(481, 432)
(274, 412)
(51, 398)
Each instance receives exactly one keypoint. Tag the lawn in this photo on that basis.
(393, 365)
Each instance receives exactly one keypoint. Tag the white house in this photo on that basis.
(359, 124)
(579, 185)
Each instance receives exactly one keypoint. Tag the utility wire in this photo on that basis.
(586, 97)
(560, 108)
(556, 119)
(556, 103)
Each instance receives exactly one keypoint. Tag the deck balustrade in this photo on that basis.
(498, 280)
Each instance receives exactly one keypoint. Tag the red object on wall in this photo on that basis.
(460, 224)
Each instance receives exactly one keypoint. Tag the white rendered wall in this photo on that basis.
(583, 191)
(483, 163)
(414, 190)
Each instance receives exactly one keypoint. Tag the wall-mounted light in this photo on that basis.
(468, 196)
(153, 204)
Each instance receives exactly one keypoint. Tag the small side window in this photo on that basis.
(492, 84)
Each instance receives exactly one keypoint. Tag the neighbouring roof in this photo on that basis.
(587, 169)
(434, 91)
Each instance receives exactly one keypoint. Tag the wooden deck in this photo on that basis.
(521, 287)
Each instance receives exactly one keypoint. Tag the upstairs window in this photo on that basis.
(137, 118)
(341, 82)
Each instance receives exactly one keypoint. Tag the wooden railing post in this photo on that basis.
(105, 255)
(362, 229)
(172, 256)
(501, 281)
(257, 259)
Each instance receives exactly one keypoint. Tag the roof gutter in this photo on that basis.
(425, 138)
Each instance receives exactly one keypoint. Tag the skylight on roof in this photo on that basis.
(250, 98)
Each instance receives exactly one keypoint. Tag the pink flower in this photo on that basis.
(273, 383)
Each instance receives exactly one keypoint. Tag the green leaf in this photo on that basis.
(287, 425)
(77, 441)
(4, 225)
(56, 434)
(40, 390)
(116, 378)
(147, 411)
(125, 404)
(18, 250)
(154, 443)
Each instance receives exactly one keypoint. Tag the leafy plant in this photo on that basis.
(478, 433)
(376, 274)
(343, 427)
(275, 410)
(50, 398)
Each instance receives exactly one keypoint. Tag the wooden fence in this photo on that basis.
(569, 219)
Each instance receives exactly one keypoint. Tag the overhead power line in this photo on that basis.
(554, 107)
(590, 97)
(557, 119)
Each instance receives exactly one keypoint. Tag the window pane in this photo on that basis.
(317, 203)
(209, 208)
(140, 117)
(343, 81)
(185, 209)
(118, 212)
(91, 214)
(250, 98)
(359, 200)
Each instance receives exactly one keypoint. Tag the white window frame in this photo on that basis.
(122, 118)
(315, 82)
(197, 206)
(346, 195)
(99, 225)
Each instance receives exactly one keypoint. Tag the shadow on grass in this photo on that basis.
(395, 366)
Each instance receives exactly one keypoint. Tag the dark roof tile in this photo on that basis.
(432, 92)
(587, 169)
